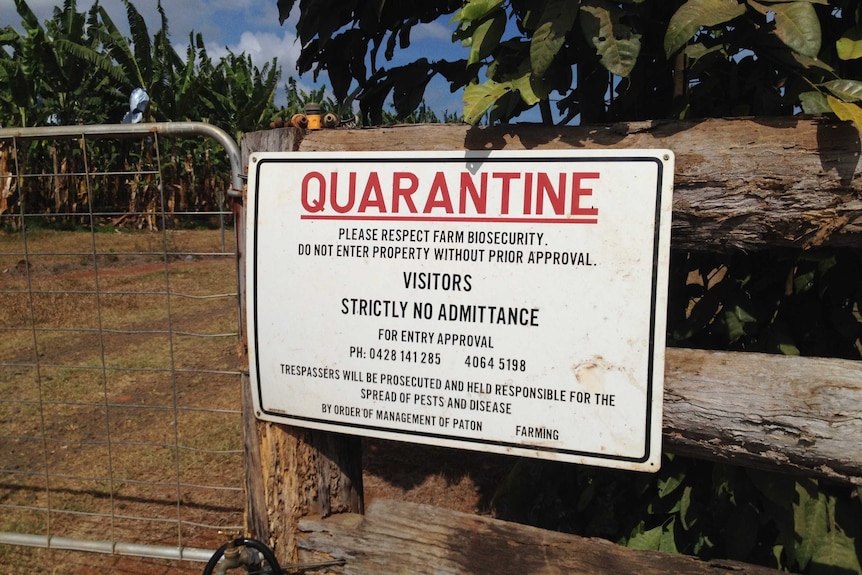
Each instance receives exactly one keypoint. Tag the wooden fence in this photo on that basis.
(743, 184)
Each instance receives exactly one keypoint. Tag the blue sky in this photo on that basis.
(251, 26)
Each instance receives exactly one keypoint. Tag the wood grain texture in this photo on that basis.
(256, 520)
(401, 538)
(277, 140)
(294, 473)
(741, 183)
(781, 413)
(291, 472)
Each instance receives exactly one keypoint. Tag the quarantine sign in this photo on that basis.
(511, 302)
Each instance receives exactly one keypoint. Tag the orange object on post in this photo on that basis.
(312, 112)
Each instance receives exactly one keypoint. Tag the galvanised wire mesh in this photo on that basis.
(120, 427)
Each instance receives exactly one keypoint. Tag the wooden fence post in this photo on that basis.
(732, 192)
(291, 473)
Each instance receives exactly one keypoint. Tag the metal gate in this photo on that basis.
(120, 427)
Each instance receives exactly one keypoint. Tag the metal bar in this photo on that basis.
(70, 174)
(35, 339)
(106, 292)
(124, 331)
(172, 349)
(119, 548)
(114, 292)
(124, 480)
(78, 443)
(185, 129)
(124, 369)
(140, 253)
(176, 213)
(182, 408)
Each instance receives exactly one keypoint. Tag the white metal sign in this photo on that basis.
(511, 302)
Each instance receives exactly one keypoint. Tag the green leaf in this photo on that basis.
(809, 63)
(650, 539)
(28, 17)
(668, 486)
(614, 41)
(823, 542)
(505, 108)
(531, 89)
(479, 97)
(661, 537)
(475, 10)
(836, 552)
(846, 112)
(847, 90)
(796, 24)
(667, 543)
(143, 52)
(695, 14)
(685, 508)
(777, 554)
(804, 282)
(849, 46)
(487, 36)
(556, 21)
(735, 320)
(743, 315)
(87, 54)
(697, 51)
(409, 86)
(788, 349)
(814, 102)
(809, 520)
(735, 328)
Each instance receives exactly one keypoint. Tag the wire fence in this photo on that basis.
(120, 428)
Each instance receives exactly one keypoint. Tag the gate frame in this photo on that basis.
(234, 192)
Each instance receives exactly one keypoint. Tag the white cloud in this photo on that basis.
(233, 4)
(262, 47)
(431, 31)
(222, 21)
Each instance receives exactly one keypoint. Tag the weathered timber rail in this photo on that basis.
(395, 538)
(742, 183)
(794, 414)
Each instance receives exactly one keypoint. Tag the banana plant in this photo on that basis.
(243, 93)
(46, 80)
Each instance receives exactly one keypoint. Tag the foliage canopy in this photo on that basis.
(597, 60)
(78, 67)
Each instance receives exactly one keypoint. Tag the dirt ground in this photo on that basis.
(445, 478)
(134, 406)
